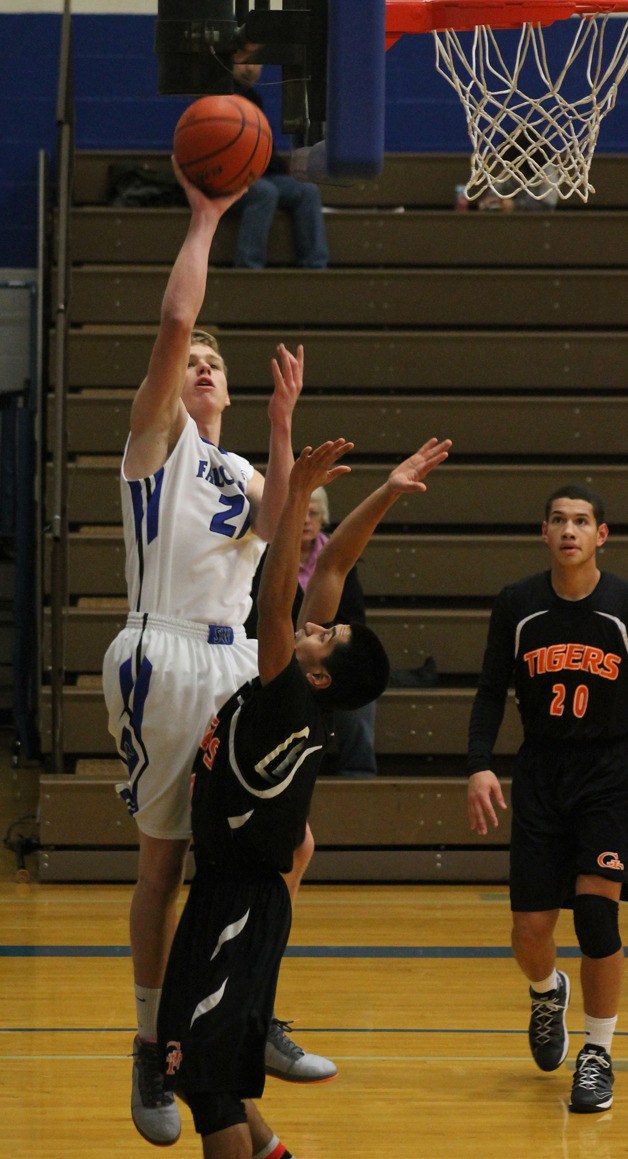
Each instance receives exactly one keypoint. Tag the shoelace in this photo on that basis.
(589, 1070)
(543, 1011)
(150, 1078)
(278, 1034)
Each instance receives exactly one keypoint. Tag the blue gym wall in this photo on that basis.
(117, 105)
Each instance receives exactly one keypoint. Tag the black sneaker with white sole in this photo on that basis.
(547, 1032)
(593, 1080)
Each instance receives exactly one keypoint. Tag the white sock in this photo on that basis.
(599, 1031)
(546, 984)
(268, 1149)
(146, 1006)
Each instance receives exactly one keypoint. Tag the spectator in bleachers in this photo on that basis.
(276, 189)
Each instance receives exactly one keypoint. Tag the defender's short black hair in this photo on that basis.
(359, 670)
(578, 491)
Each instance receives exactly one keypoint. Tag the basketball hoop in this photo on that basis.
(529, 130)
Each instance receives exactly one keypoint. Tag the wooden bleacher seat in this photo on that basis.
(425, 179)
(410, 635)
(400, 565)
(502, 494)
(517, 426)
(461, 361)
(369, 237)
(417, 297)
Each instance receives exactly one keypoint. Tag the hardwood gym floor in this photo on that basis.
(409, 988)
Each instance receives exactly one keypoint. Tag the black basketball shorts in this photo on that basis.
(570, 817)
(219, 990)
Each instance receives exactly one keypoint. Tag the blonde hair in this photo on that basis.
(319, 495)
(204, 338)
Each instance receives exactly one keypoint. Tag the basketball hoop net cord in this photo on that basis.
(532, 128)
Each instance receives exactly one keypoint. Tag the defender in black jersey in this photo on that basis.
(563, 635)
(254, 777)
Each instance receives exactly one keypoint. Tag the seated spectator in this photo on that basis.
(276, 190)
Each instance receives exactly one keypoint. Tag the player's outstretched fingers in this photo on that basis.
(319, 465)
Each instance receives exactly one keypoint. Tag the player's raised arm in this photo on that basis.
(347, 542)
(267, 495)
(280, 575)
(157, 413)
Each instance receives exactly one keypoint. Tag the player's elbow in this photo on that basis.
(176, 321)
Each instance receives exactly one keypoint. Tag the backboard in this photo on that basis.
(332, 59)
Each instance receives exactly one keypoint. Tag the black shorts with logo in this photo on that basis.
(569, 817)
(219, 990)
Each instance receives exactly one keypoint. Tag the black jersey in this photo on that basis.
(570, 665)
(254, 777)
(255, 774)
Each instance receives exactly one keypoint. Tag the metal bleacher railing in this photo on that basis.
(20, 394)
(59, 524)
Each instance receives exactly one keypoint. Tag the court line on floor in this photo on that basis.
(476, 1030)
(365, 1058)
(50, 899)
(321, 951)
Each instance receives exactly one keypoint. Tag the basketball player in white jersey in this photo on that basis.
(196, 521)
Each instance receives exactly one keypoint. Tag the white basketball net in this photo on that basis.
(536, 140)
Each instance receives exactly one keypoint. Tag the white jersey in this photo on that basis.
(190, 550)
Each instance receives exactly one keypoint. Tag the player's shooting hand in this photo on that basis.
(287, 370)
(483, 788)
(409, 475)
(199, 201)
(319, 467)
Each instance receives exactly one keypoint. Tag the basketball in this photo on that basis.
(222, 143)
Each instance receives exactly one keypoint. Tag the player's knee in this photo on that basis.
(596, 922)
(213, 1112)
(529, 929)
(163, 875)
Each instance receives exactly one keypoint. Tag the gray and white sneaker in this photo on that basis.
(154, 1110)
(285, 1060)
(547, 1032)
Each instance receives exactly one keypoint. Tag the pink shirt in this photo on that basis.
(306, 568)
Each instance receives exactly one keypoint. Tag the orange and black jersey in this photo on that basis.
(254, 777)
(570, 665)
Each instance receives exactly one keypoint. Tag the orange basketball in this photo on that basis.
(222, 143)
